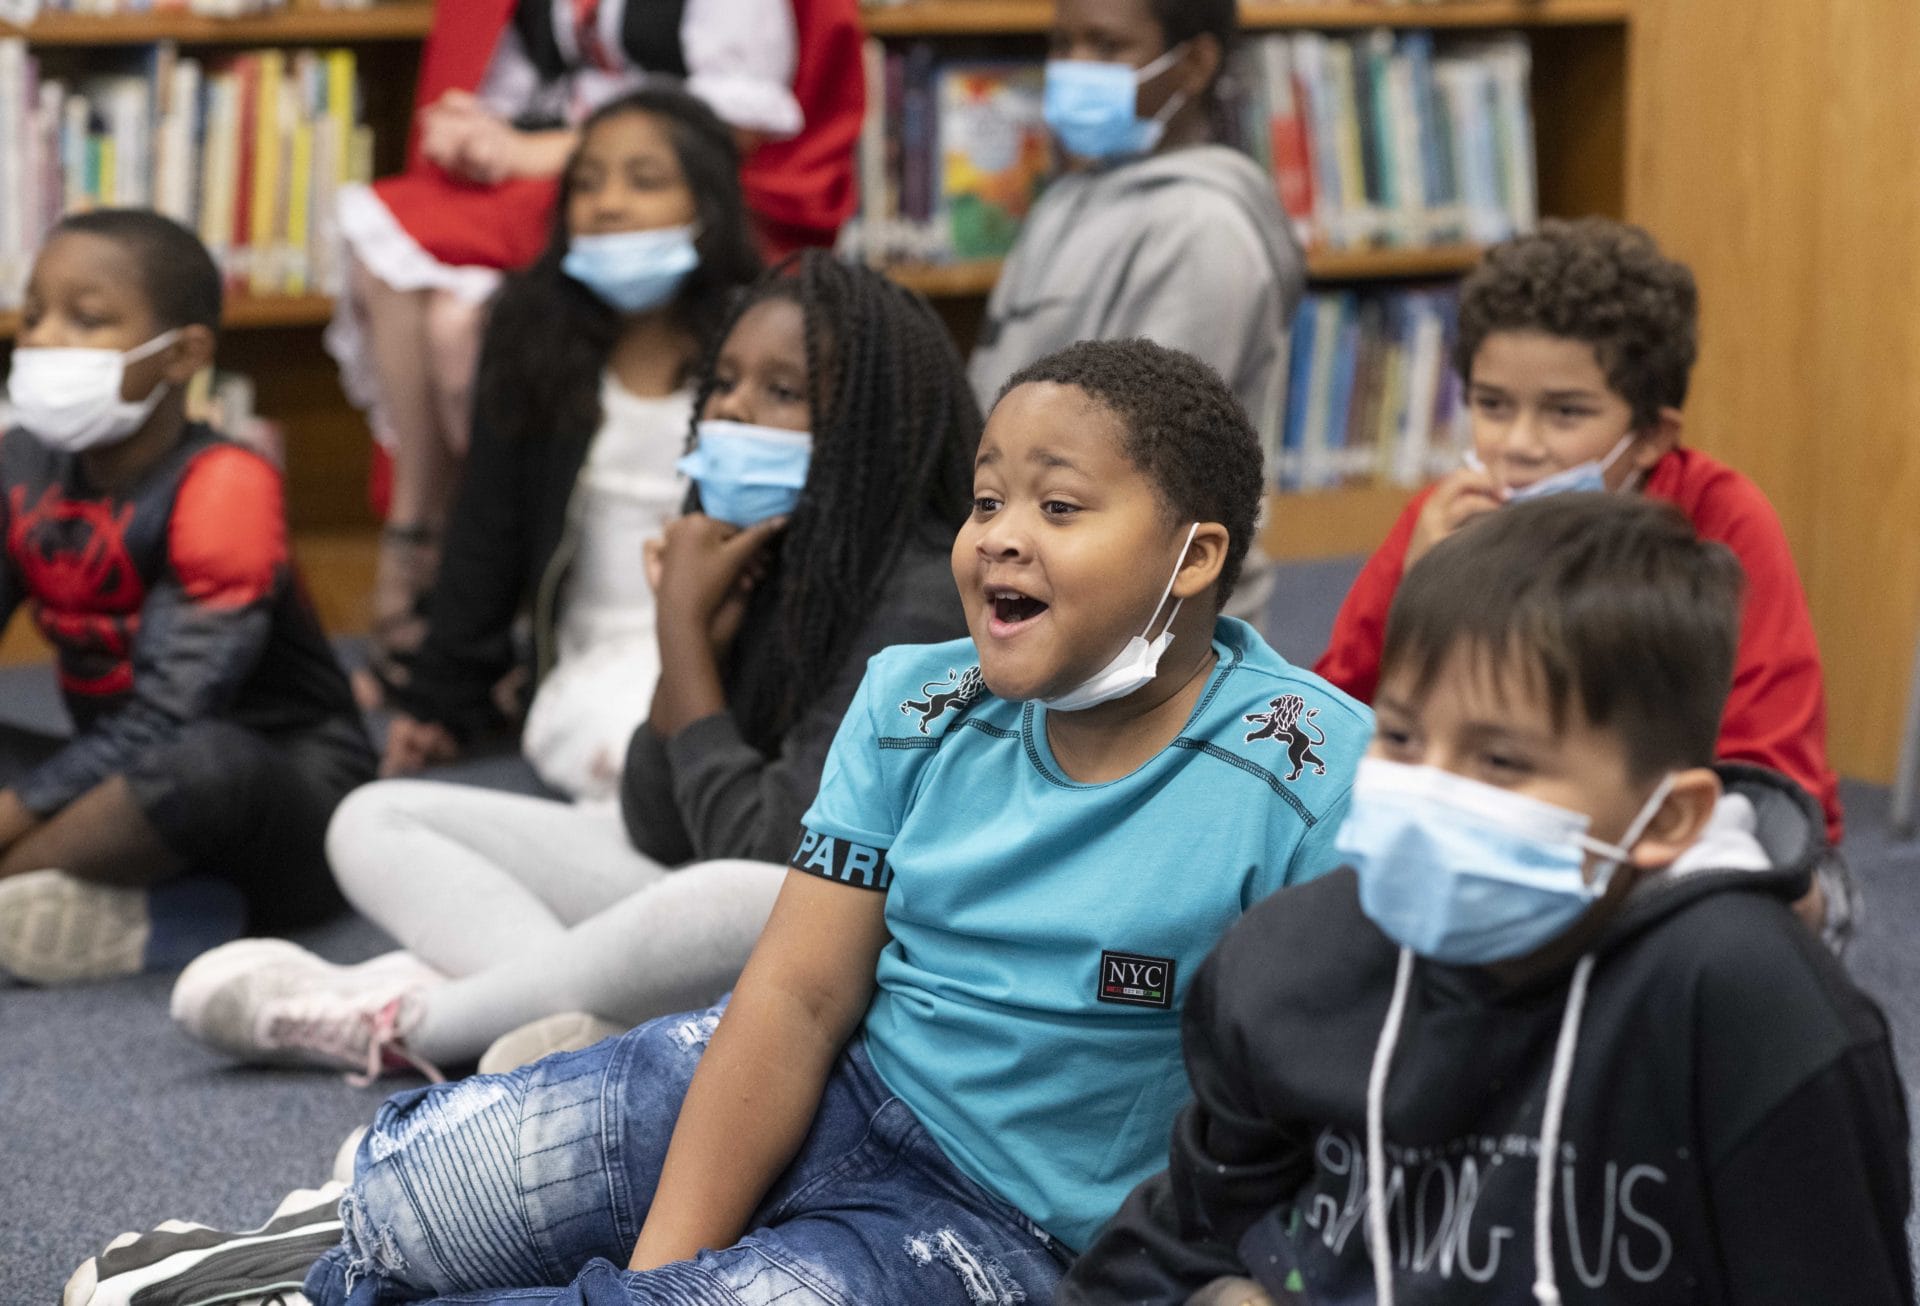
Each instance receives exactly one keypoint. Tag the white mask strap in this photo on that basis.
(1147, 72)
(1147, 634)
(1613, 456)
(152, 346)
(1622, 851)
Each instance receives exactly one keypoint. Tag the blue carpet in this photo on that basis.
(115, 1122)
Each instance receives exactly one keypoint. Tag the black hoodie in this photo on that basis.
(1734, 1130)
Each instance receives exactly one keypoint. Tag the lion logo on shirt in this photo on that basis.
(1287, 718)
(958, 692)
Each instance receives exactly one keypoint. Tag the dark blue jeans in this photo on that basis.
(532, 1186)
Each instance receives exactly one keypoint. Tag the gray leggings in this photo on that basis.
(533, 907)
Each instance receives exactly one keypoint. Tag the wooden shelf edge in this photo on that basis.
(975, 279)
(1031, 17)
(389, 22)
(1307, 526)
(243, 313)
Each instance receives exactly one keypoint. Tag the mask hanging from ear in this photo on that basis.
(1135, 665)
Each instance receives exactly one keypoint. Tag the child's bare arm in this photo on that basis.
(753, 1099)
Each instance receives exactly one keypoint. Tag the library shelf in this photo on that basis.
(242, 311)
(383, 22)
(1034, 17)
(1331, 523)
(975, 279)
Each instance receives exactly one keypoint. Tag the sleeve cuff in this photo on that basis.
(750, 103)
(843, 861)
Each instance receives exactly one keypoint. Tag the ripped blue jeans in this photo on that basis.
(532, 1186)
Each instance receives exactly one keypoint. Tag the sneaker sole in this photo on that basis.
(55, 929)
(198, 1266)
(209, 972)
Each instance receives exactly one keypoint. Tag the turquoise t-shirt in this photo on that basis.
(1045, 931)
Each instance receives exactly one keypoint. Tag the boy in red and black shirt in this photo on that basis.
(1575, 345)
(214, 731)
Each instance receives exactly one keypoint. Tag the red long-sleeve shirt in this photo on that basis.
(1777, 712)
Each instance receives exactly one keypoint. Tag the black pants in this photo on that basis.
(240, 806)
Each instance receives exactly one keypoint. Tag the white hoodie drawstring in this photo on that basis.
(1546, 1288)
(1377, 1131)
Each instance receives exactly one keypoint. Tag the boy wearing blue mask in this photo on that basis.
(1555, 1036)
(1576, 343)
(1150, 229)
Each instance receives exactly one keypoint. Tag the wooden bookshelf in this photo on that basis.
(386, 22)
(1035, 17)
(243, 312)
(1331, 523)
(976, 278)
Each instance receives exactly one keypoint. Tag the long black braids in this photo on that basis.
(895, 427)
(549, 338)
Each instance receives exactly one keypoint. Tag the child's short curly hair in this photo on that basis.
(1184, 430)
(1602, 282)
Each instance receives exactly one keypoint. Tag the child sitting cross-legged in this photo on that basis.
(955, 1047)
(1556, 1035)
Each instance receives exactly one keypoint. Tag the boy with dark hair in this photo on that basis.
(1575, 346)
(1555, 1034)
(956, 1045)
(214, 731)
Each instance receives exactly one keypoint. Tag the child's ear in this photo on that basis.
(1206, 555)
(191, 352)
(1200, 65)
(1658, 440)
(1682, 817)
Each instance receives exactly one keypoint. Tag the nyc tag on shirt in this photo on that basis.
(1134, 980)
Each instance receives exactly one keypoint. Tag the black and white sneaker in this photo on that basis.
(181, 1264)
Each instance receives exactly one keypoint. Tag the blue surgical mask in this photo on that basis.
(747, 474)
(633, 271)
(1092, 108)
(1467, 873)
(1581, 478)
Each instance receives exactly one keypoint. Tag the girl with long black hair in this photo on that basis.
(833, 464)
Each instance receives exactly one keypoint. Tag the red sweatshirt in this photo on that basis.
(1777, 713)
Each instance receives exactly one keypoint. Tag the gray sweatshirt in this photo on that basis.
(1189, 249)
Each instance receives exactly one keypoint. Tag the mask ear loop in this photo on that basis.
(1181, 562)
(1623, 851)
(1148, 71)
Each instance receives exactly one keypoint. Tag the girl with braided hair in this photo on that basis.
(832, 459)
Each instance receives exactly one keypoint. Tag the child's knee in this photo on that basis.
(361, 832)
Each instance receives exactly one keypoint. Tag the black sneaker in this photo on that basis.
(181, 1264)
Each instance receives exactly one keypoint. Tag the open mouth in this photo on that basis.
(1011, 609)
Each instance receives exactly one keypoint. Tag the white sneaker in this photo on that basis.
(568, 1031)
(181, 1264)
(56, 929)
(270, 1001)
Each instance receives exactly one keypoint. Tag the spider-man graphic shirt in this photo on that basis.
(168, 602)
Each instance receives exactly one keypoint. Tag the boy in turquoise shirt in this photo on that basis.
(957, 1044)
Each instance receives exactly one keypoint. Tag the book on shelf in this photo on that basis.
(950, 158)
(247, 149)
(1379, 139)
(1390, 138)
(1372, 398)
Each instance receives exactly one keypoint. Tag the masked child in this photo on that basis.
(1555, 1036)
(214, 732)
(955, 1046)
(831, 461)
(1152, 228)
(1575, 346)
